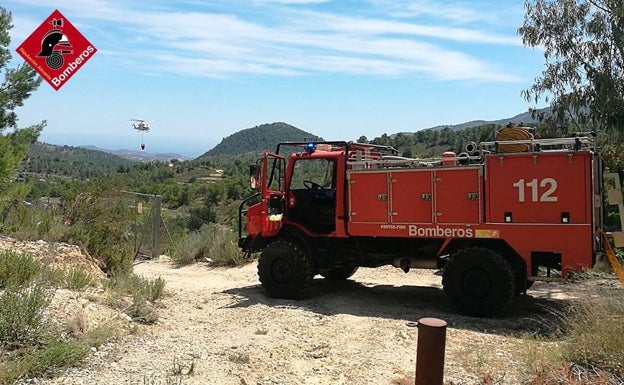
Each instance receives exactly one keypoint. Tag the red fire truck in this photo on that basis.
(495, 218)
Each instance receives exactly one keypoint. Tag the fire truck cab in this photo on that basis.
(495, 218)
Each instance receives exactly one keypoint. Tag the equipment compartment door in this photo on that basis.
(411, 197)
(368, 197)
(539, 188)
(457, 196)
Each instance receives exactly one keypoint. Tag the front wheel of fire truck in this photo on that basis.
(285, 269)
(479, 281)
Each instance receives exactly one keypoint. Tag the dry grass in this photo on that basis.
(588, 350)
(485, 379)
(535, 352)
(586, 347)
(572, 375)
(595, 332)
(405, 380)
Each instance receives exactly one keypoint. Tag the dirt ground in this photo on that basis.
(216, 326)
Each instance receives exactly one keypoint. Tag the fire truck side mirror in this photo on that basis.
(254, 176)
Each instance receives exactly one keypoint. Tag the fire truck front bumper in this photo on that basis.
(249, 244)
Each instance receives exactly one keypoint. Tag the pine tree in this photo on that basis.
(16, 87)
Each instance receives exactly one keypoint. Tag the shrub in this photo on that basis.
(32, 221)
(98, 219)
(142, 311)
(189, 250)
(21, 315)
(144, 292)
(103, 333)
(77, 279)
(239, 358)
(115, 254)
(56, 354)
(136, 285)
(224, 249)
(17, 269)
(150, 289)
(214, 242)
(180, 368)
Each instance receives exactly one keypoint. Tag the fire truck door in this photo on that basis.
(539, 188)
(368, 197)
(412, 199)
(457, 196)
(272, 203)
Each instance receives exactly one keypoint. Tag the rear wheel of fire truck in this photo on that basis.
(285, 269)
(340, 274)
(479, 281)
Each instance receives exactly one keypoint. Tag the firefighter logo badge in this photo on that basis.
(54, 45)
(56, 50)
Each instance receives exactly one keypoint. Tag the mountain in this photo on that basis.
(140, 156)
(525, 117)
(258, 138)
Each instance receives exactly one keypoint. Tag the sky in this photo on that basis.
(203, 70)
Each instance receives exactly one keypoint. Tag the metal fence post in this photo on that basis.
(430, 351)
(156, 227)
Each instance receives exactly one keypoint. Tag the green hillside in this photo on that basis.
(73, 162)
(259, 138)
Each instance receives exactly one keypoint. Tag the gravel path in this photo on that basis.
(216, 326)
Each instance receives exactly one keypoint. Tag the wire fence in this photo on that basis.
(149, 232)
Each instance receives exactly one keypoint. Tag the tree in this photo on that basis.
(16, 87)
(583, 43)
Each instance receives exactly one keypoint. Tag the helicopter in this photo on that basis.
(141, 125)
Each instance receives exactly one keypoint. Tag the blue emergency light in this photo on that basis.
(310, 147)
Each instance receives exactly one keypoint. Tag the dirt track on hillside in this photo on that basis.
(219, 323)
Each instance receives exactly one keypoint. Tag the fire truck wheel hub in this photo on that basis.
(281, 271)
(477, 283)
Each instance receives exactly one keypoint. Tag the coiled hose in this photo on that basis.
(513, 133)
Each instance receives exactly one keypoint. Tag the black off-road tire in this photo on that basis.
(522, 283)
(285, 269)
(340, 274)
(479, 281)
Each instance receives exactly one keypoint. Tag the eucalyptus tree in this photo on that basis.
(583, 46)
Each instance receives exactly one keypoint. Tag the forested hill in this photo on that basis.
(259, 138)
(74, 162)
(525, 118)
